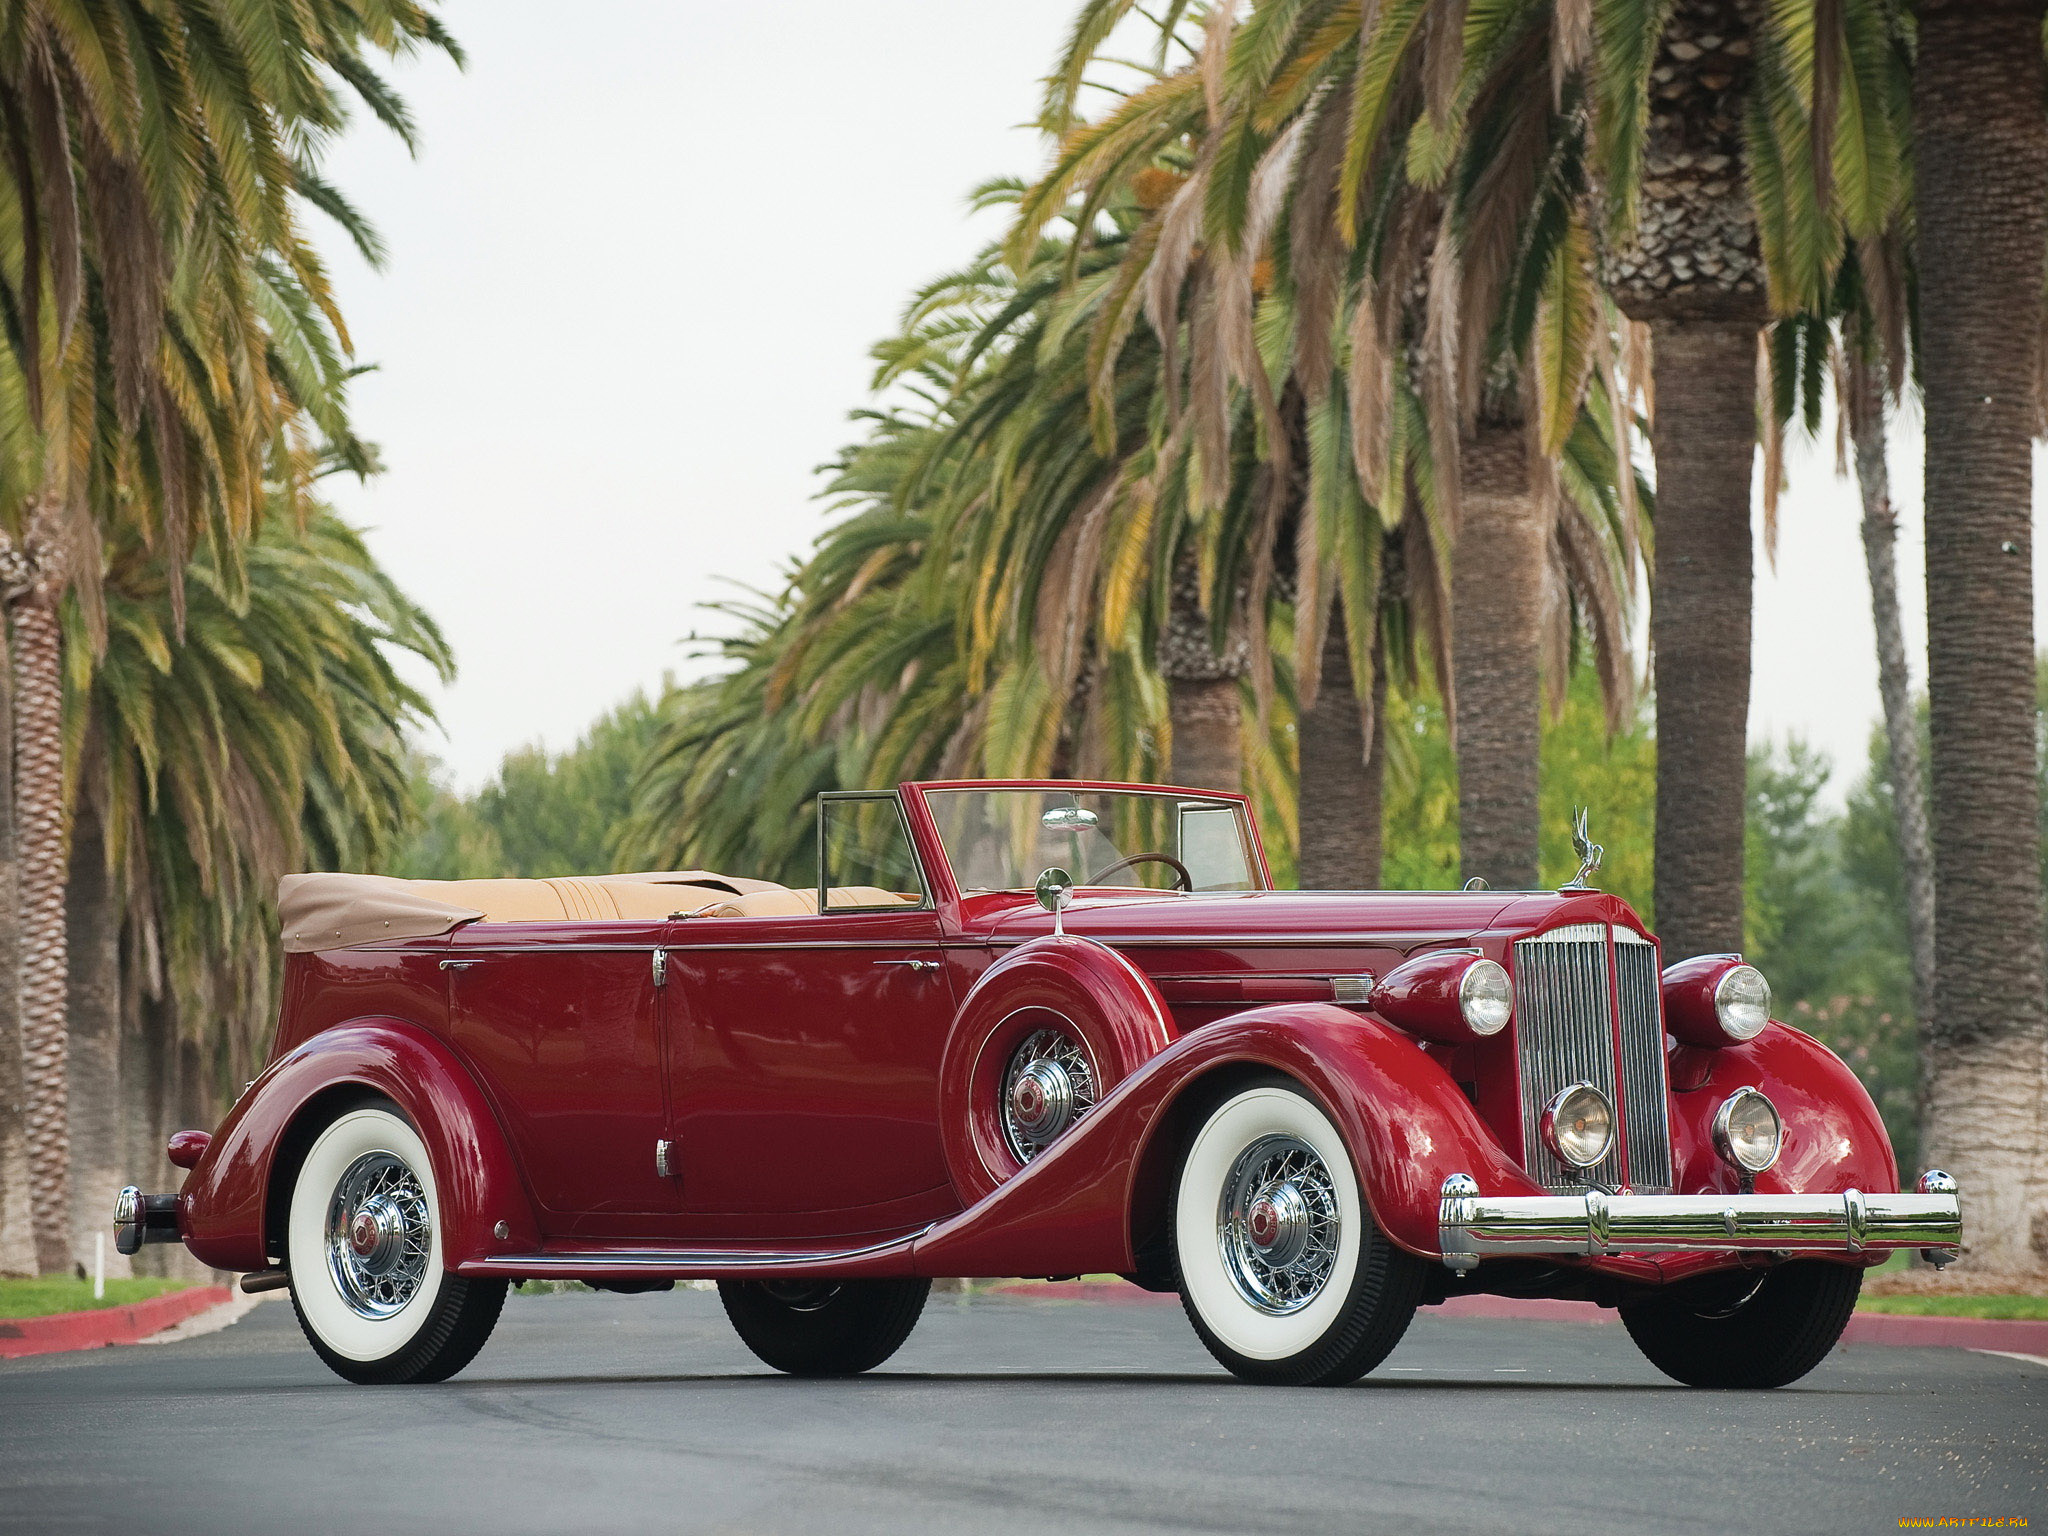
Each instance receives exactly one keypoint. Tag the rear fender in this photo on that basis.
(231, 1209)
(1076, 1208)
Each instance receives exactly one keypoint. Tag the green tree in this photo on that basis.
(171, 350)
(543, 813)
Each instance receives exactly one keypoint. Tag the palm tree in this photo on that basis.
(1981, 153)
(1376, 174)
(162, 305)
(1862, 396)
(270, 738)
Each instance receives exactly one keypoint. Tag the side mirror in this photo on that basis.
(1055, 893)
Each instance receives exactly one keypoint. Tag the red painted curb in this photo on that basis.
(106, 1325)
(2020, 1336)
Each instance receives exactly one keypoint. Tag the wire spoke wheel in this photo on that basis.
(1049, 1084)
(363, 1247)
(1283, 1271)
(1279, 1224)
(379, 1235)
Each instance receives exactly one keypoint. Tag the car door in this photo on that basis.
(563, 1022)
(804, 1059)
(804, 1072)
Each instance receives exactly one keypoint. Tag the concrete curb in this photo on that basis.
(96, 1329)
(2021, 1336)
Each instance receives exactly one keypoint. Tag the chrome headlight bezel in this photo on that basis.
(1715, 1001)
(1742, 1002)
(1731, 1136)
(1486, 998)
(1563, 1120)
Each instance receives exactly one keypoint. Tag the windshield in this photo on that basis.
(1003, 839)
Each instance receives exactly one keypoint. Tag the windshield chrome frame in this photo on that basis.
(1247, 825)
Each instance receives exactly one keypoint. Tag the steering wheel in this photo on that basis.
(1180, 870)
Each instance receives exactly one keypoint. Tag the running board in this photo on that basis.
(890, 1257)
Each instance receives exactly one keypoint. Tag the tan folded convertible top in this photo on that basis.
(335, 911)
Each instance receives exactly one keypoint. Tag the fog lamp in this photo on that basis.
(1747, 1131)
(1578, 1125)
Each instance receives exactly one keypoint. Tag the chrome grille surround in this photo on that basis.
(1566, 996)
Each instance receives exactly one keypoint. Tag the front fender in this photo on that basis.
(1834, 1136)
(223, 1209)
(1408, 1125)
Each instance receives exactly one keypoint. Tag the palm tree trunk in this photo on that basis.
(17, 1237)
(39, 832)
(1982, 175)
(1705, 441)
(1694, 272)
(1865, 408)
(93, 933)
(1342, 773)
(1206, 711)
(1497, 576)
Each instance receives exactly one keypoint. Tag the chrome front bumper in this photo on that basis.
(1472, 1226)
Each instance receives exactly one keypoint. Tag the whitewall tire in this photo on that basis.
(363, 1246)
(1282, 1271)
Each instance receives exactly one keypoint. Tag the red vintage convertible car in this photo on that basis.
(1310, 1113)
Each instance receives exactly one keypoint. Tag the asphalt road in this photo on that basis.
(619, 1413)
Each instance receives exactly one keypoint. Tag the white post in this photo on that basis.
(99, 1266)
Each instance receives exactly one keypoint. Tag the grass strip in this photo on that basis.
(1957, 1306)
(52, 1294)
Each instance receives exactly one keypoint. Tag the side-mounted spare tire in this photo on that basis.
(1042, 1038)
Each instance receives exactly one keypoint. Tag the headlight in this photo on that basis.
(1747, 1131)
(1453, 995)
(1484, 998)
(1578, 1125)
(1716, 1000)
(1742, 1002)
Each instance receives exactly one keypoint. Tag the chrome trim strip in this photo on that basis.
(1382, 940)
(1471, 1226)
(679, 1261)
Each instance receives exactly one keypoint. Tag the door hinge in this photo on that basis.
(661, 967)
(665, 1159)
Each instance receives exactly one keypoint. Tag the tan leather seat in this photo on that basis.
(788, 903)
(587, 899)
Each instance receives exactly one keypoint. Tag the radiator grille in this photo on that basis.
(1565, 1002)
(1637, 983)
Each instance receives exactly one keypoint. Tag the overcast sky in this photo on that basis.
(634, 275)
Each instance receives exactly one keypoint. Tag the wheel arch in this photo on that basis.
(232, 1206)
(1157, 1165)
(1087, 1204)
(1093, 989)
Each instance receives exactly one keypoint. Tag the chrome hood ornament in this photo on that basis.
(1590, 853)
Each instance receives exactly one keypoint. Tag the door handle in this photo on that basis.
(913, 965)
(459, 965)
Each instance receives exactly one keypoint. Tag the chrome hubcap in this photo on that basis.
(379, 1235)
(1278, 1224)
(1048, 1085)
